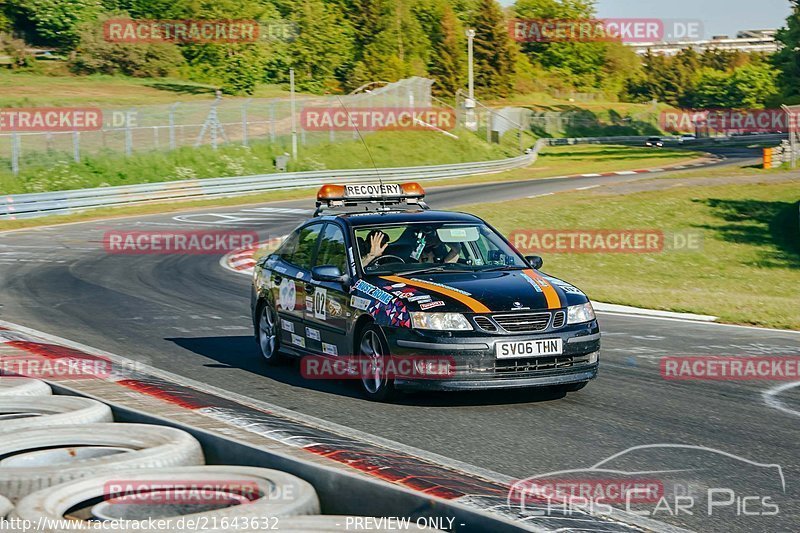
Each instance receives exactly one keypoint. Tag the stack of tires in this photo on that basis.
(63, 459)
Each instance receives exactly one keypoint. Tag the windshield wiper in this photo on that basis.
(430, 270)
(504, 267)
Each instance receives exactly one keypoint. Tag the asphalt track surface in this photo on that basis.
(188, 315)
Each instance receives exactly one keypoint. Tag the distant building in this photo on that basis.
(745, 41)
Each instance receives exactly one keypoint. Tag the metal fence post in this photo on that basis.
(76, 146)
(294, 118)
(244, 121)
(15, 149)
(272, 122)
(155, 137)
(792, 119)
(128, 137)
(172, 125)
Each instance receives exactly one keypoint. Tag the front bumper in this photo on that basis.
(477, 367)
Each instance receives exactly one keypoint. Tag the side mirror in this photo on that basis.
(534, 261)
(327, 273)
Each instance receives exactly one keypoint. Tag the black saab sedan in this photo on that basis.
(377, 278)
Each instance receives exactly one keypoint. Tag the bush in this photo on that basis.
(94, 54)
(16, 50)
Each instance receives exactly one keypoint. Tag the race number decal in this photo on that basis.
(320, 304)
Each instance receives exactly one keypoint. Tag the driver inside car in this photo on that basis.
(377, 241)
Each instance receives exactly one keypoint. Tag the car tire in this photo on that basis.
(372, 344)
(14, 386)
(5, 507)
(146, 446)
(267, 334)
(24, 412)
(281, 495)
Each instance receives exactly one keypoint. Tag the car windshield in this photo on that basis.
(433, 247)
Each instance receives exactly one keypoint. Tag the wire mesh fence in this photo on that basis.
(130, 130)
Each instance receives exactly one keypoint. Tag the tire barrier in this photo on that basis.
(277, 495)
(5, 507)
(23, 412)
(35, 459)
(14, 386)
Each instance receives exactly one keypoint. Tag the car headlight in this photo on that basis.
(580, 313)
(440, 321)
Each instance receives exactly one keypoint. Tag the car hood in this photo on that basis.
(485, 292)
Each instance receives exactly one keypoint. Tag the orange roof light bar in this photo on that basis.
(413, 189)
(330, 192)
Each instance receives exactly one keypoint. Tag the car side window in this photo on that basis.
(287, 249)
(303, 253)
(331, 248)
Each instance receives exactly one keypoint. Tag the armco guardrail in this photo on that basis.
(18, 206)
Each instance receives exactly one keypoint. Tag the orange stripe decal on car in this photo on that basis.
(472, 303)
(550, 294)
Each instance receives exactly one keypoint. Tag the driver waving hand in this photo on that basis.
(377, 242)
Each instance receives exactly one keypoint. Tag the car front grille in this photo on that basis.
(523, 322)
(485, 323)
(558, 319)
(538, 364)
(533, 364)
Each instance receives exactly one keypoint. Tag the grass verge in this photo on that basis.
(747, 272)
(389, 149)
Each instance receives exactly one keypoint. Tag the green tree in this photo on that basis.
(787, 60)
(711, 90)
(391, 43)
(748, 87)
(242, 68)
(448, 53)
(322, 47)
(585, 64)
(234, 67)
(494, 53)
(54, 22)
(752, 86)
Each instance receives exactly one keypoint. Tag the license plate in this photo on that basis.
(514, 349)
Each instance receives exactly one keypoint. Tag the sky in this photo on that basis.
(719, 17)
